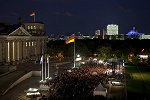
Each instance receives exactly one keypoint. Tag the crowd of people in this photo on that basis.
(77, 84)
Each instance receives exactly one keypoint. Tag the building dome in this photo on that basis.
(133, 32)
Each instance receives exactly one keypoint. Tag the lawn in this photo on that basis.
(138, 80)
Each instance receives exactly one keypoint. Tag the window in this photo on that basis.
(29, 44)
(28, 27)
(34, 27)
(31, 27)
(32, 44)
(26, 44)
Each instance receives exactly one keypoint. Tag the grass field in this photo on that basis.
(138, 81)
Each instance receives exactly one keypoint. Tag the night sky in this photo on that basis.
(85, 16)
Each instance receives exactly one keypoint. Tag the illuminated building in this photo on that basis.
(112, 29)
(97, 34)
(17, 44)
(112, 33)
(143, 36)
(134, 34)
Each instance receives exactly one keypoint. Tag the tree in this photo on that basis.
(105, 52)
(55, 47)
(80, 48)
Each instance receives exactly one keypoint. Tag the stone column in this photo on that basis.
(29, 49)
(13, 51)
(7, 51)
(32, 48)
(24, 50)
(18, 51)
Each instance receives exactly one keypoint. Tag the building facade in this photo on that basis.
(35, 28)
(112, 29)
(18, 45)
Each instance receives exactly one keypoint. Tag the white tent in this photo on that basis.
(100, 90)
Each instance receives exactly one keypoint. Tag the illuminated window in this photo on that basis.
(32, 44)
(34, 27)
(29, 44)
(26, 44)
(28, 27)
(31, 27)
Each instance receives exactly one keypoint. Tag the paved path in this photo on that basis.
(18, 93)
(9, 79)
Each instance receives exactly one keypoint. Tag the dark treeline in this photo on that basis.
(88, 47)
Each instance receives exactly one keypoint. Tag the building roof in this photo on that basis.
(133, 32)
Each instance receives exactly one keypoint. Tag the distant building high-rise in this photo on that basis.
(112, 29)
(97, 33)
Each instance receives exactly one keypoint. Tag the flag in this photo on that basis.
(41, 61)
(70, 39)
(32, 14)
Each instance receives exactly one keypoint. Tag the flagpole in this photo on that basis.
(74, 53)
(48, 67)
(42, 72)
(45, 66)
(34, 18)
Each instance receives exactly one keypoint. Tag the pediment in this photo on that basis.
(20, 32)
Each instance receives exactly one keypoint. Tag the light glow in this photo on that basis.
(26, 44)
(100, 61)
(78, 59)
(78, 55)
(32, 44)
(143, 56)
(115, 82)
(29, 44)
(36, 93)
(8, 52)
(32, 89)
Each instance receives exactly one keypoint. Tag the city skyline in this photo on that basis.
(70, 16)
